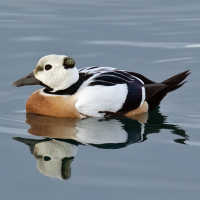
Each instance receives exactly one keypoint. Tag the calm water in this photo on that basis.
(153, 157)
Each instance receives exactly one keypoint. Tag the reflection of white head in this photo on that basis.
(54, 157)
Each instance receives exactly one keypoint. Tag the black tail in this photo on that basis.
(170, 84)
(176, 81)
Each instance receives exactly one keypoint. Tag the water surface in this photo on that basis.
(153, 157)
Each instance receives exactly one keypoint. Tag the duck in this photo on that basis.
(92, 91)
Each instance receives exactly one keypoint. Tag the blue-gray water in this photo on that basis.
(117, 158)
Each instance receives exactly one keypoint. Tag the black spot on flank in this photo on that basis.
(48, 67)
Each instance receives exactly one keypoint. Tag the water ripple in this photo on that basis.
(9, 119)
(34, 39)
(174, 59)
(13, 130)
(164, 45)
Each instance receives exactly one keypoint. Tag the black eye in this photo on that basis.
(47, 158)
(48, 67)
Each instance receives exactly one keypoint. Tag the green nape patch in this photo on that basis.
(68, 62)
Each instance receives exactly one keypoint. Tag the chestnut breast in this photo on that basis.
(52, 105)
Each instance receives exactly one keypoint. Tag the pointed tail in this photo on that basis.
(170, 84)
(176, 81)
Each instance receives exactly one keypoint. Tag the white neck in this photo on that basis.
(71, 78)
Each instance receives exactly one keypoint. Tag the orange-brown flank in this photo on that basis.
(63, 106)
(142, 109)
(57, 106)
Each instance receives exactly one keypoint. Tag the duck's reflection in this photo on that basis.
(62, 137)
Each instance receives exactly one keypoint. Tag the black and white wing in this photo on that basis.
(133, 87)
(108, 90)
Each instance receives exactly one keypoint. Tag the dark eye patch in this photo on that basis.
(48, 67)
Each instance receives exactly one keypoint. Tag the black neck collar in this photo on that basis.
(69, 91)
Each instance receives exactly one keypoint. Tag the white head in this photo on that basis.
(56, 71)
